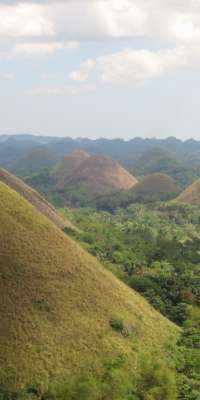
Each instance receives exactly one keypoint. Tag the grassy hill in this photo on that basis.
(191, 194)
(157, 160)
(156, 186)
(34, 161)
(61, 313)
(65, 168)
(35, 199)
(81, 178)
(151, 188)
(96, 176)
(101, 174)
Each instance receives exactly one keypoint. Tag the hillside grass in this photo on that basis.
(35, 198)
(191, 194)
(57, 304)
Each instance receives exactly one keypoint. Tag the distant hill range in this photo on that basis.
(64, 317)
(179, 159)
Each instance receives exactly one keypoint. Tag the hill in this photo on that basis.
(191, 194)
(151, 188)
(101, 175)
(60, 310)
(65, 168)
(34, 161)
(35, 199)
(156, 186)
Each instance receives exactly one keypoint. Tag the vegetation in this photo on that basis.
(150, 189)
(180, 160)
(52, 290)
(57, 304)
(34, 161)
(155, 250)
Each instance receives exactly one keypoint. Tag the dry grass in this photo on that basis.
(57, 303)
(191, 194)
(101, 175)
(35, 199)
(156, 183)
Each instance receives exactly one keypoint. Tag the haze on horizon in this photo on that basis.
(100, 68)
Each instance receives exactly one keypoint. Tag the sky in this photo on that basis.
(100, 68)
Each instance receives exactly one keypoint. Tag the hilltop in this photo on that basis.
(35, 199)
(80, 178)
(66, 167)
(101, 175)
(191, 194)
(156, 186)
(149, 189)
(60, 310)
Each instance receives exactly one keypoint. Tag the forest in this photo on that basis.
(155, 250)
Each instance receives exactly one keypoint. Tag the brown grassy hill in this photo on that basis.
(57, 303)
(65, 168)
(151, 188)
(191, 194)
(158, 184)
(35, 199)
(101, 175)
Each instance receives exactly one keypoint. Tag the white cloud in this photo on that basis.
(132, 65)
(24, 20)
(64, 91)
(42, 48)
(90, 19)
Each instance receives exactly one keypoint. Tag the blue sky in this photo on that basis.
(112, 68)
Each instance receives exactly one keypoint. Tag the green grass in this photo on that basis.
(57, 303)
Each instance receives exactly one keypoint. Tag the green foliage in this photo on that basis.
(153, 381)
(155, 250)
(156, 381)
(117, 324)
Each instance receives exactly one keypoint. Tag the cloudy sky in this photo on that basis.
(112, 68)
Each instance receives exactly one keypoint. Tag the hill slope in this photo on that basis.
(191, 194)
(34, 161)
(57, 303)
(158, 186)
(101, 175)
(35, 199)
(151, 188)
(65, 168)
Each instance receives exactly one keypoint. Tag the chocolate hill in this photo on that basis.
(158, 186)
(101, 175)
(191, 194)
(65, 168)
(57, 304)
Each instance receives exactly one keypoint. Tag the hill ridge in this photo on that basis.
(35, 199)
